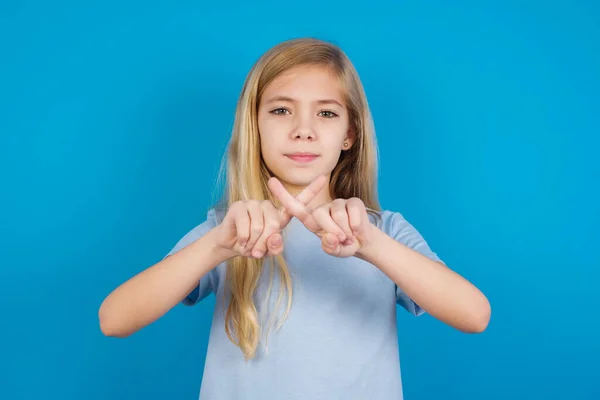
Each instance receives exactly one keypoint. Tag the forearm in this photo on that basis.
(438, 290)
(150, 294)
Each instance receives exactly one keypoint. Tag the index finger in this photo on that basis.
(296, 207)
(312, 190)
(305, 197)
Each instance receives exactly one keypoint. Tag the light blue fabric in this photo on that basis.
(340, 338)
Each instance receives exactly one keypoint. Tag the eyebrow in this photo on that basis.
(290, 100)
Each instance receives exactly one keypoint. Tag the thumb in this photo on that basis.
(330, 243)
(274, 243)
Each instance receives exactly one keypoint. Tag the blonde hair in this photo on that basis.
(246, 178)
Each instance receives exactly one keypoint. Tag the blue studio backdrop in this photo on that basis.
(114, 116)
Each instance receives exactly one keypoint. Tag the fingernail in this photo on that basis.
(275, 242)
(257, 253)
(329, 240)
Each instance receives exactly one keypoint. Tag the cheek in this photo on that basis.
(336, 135)
(263, 132)
(268, 139)
(335, 141)
(273, 132)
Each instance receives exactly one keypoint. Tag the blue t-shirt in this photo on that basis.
(339, 340)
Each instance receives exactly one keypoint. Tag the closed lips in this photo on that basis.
(302, 157)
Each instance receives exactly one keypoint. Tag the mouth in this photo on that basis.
(302, 157)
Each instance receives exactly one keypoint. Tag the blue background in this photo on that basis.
(114, 116)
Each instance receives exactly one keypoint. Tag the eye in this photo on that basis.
(280, 111)
(328, 114)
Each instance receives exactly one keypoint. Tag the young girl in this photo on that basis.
(301, 217)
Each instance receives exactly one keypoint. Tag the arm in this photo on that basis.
(438, 290)
(150, 294)
(435, 288)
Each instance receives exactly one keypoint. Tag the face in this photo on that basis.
(304, 125)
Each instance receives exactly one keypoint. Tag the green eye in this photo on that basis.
(279, 111)
(328, 114)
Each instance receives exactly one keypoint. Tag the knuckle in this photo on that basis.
(257, 227)
(356, 201)
(272, 225)
(320, 211)
(339, 212)
(243, 236)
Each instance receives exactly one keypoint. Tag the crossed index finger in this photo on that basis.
(312, 190)
(298, 206)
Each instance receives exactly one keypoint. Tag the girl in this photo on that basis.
(301, 214)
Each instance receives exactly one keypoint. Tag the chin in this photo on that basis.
(298, 177)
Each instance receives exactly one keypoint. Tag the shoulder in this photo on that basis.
(387, 220)
(393, 224)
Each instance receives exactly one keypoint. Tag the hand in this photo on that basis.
(342, 225)
(252, 228)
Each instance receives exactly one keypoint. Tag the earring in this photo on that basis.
(345, 144)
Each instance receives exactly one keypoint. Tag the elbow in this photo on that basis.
(479, 326)
(109, 331)
(108, 326)
(480, 318)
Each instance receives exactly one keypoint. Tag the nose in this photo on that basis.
(304, 129)
(304, 134)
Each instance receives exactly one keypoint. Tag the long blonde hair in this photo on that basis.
(246, 178)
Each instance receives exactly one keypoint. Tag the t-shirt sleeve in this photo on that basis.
(404, 232)
(208, 283)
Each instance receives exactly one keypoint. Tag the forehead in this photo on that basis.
(308, 83)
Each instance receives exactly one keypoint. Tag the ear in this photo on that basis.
(349, 139)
